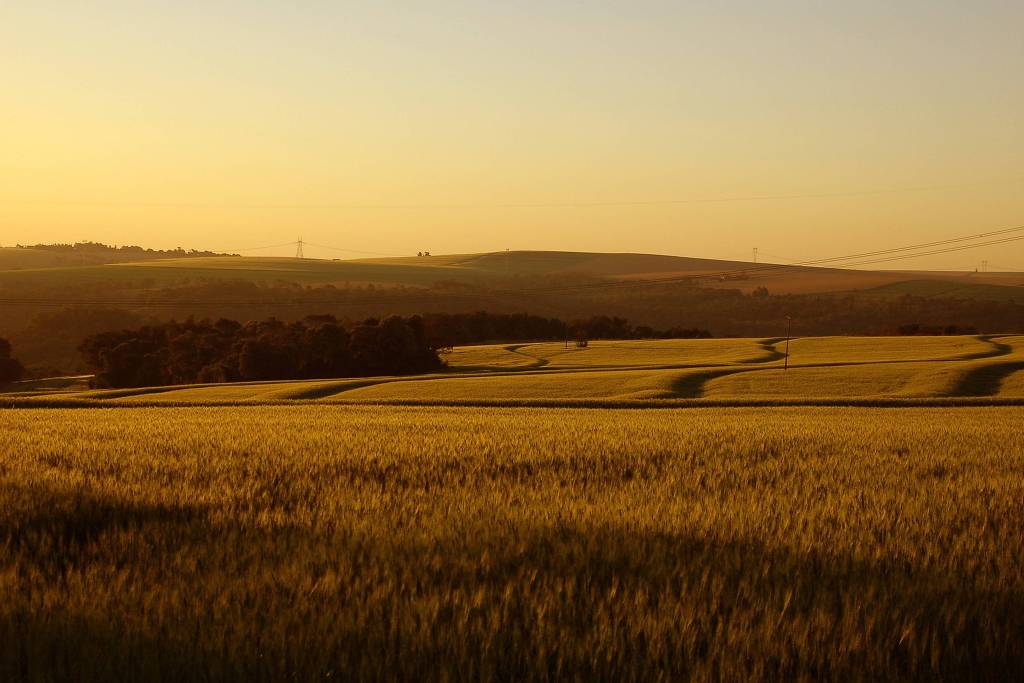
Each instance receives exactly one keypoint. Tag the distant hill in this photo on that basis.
(86, 253)
(964, 288)
(47, 308)
(548, 267)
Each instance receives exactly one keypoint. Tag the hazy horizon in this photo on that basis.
(461, 127)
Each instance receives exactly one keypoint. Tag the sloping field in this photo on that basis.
(1013, 385)
(879, 349)
(963, 288)
(12, 258)
(654, 352)
(231, 392)
(38, 267)
(868, 380)
(877, 367)
(731, 370)
(604, 384)
(50, 385)
(492, 357)
(260, 270)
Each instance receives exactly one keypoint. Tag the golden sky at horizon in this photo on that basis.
(473, 126)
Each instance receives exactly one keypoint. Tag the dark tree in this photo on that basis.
(225, 351)
(320, 346)
(10, 369)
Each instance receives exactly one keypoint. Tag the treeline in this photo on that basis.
(320, 346)
(227, 351)
(458, 329)
(10, 369)
(117, 253)
(47, 337)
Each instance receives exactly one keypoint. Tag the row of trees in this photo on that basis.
(228, 351)
(320, 346)
(47, 337)
(10, 369)
(456, 329)
(117, 253)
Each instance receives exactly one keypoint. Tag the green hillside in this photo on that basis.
(404, 271)
(960, 288)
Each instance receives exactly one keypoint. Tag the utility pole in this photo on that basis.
(298, 249)
(789, 333)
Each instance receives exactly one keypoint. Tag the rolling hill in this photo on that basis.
(894, 370)
(32, 267)
(46, 310)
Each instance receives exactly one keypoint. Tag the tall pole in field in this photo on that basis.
(789, 333)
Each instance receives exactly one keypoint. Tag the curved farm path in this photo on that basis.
(996, 348)
(977, 379)
(540, 368)
(769, 347)
(537, 361)
(985, 379)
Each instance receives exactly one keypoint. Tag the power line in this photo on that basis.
(311, 244)
(838, 261)
(1004, 268)
(882, 256)
(353, 251)
(886, 256)
(267, 246)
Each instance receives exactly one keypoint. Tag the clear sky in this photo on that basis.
(460, 126)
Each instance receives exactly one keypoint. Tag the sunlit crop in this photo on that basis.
(340, 542)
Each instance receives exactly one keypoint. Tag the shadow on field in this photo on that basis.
(985, 380)
(183, 597)
(56, 529)
(691, 384)
(536, 362)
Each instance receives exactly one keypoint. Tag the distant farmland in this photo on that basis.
(34, 267)
(46, 312)
(820, 369)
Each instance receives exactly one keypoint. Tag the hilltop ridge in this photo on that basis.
(485, 268)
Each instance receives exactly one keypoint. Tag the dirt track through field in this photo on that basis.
(964, 367)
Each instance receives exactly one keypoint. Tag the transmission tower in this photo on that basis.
(984, 266)
(298, 249)
(755, 254)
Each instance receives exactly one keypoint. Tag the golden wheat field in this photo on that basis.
(663, 372)
(315, 530)
(339, 542)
